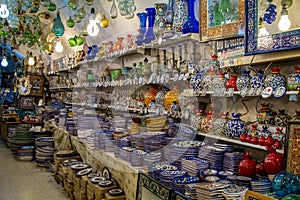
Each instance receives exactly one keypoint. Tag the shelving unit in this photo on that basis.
(235, 141)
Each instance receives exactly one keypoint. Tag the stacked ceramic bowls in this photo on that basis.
(193, 165)
(22, 137)
(45, 149)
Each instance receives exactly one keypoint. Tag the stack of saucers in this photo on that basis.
(212, 155)
(261, 186)
(193, 165)
(45, 150)
(210, 190)
(190, 191)
(244, 181)
(150, 158)
(178, 184)
(231, 161)
(166, 177)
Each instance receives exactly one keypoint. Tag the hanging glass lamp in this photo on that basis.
(58, 28)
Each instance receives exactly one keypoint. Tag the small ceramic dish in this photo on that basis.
(212, 178)
(80, 166)
(105, 183)
(84, 172)
(97, 179)
(115, 192)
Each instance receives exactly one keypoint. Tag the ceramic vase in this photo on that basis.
(140, 37)
(293, 80)
(281, 118)
(207, 123)
(149, 35)
(180, 15)
(196, 80)
(256, 83)
(219, 124)
(266, 115)
(191, 25)
(219, 83)
(159, 24)
(208, 80)
(196, 120)
(243, 81)
(275, 79)
(231, 83)
(235, 127)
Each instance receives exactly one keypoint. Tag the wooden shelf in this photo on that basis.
(235, 141)
(261, 58)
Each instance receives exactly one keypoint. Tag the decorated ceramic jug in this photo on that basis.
(281, 118)
(207, 123)
(294, 79)
(219, 124)
(256, 83)
(275, 79)
(235, 127)
(231, 83)
(219, 83)
(208, 80)
(196, 80)
(266, 115)
(242, 82)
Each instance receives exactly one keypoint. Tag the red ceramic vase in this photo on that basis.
(243, 137)
(269, 141)
(261, 141)
(260, 170)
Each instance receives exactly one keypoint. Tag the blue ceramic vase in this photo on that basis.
(191, 25)
(149, 36)
(256, 83)
(235, 127)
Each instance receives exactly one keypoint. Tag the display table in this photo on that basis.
(121, 171)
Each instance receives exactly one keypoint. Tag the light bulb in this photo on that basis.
(263, 31)
(92, 27)
(59, 47)
(284, 24)
(4, 12)
(4, 62)
(31, 60)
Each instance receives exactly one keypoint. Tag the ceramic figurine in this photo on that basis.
(293, 80)
(242, 82)
(256, 83)
(219, 124)
(231, 83)
(207, 123)
(266, 115)
(281, 118)
(235, 127)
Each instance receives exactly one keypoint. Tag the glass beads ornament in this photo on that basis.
(270, 13)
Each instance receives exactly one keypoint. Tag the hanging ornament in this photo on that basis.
(58, 28)
(51, 6)
(72, 4)
(113, 11)
(81, 13)
(70, 22)
(83, 30)
(104, 23)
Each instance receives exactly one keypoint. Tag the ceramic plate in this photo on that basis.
(105, 183)
(84, 172)
(106, 173)
(115, 192)
(80, 166)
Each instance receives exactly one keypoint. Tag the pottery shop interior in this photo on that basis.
(149, 100)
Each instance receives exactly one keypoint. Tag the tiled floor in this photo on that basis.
(26, 181)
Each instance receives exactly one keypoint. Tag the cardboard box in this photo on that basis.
(109, 197)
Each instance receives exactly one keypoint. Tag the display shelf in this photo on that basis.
(234, 141)
(261, 58)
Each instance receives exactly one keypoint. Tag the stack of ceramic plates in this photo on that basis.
(232, 179)
(22, 137)
(86, 122)
(178, 184)
(184, 149)
(224, 147)
(244, 181)
(231, 161)
(45, 150)
(62, 118)
(153, 145)
(261, 186)
(11, 130)
(156, 168)
(190, 191)
(25, 153)
(105, 140)
(166, 177)
(207, 190)
(137, 159)
(193, 165)
(150, 158)
(212, 155)
(71, 125)
(125, 153)
(183, 131)
(119, 143)
(173, 129)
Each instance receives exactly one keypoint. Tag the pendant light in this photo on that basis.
(92, 27)
(262, 29)
(4, 12)
(59, 48)
(58, 28)
(285, 23)
(4, 62)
